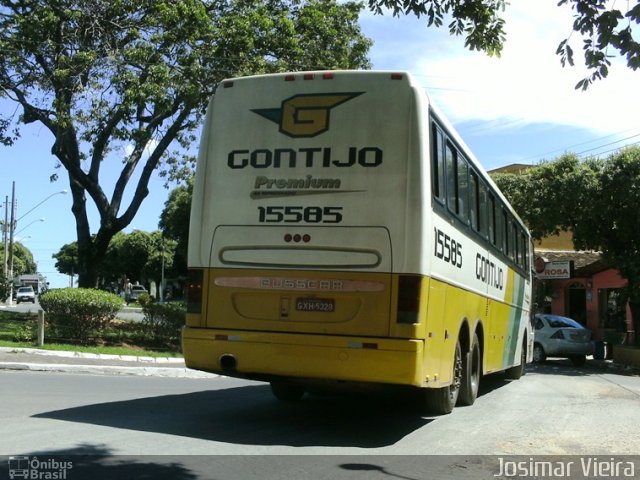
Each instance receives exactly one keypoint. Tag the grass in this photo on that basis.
(124, 338)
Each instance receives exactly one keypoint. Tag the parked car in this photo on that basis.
(557, 336)
(136, 291)
(25, 294)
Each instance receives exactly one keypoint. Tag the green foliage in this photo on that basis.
(164, 321)
(123, 86)
(5, 287)
(479, 20)
(144, 299)
(23, 261)
(174, 221)
(79, 313)
(597, 200)
(605, 27)
(549, 196)
(26, 333)
(67, 259)
(137, 255)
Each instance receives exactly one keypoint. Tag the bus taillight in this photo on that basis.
(194, 290)
(409, 287)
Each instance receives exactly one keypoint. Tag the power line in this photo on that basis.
(608, 144)
(567, 148)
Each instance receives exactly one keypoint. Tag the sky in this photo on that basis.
(519, 108)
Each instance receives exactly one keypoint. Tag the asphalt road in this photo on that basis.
(554, 409)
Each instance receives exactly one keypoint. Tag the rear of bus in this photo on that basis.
(306, 215)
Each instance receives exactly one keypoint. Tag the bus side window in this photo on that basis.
(491, 217)
(474, 201)
(437, 164)
(463, 188)
(504, 240)
(452, 190)
(483, 214)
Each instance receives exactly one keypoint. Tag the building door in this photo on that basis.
(576, 306)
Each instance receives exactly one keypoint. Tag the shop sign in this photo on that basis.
(556, 270)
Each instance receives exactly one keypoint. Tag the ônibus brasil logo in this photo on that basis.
(31, 468)
(305, 115)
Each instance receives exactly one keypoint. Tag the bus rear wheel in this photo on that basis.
(515, 372)
(287, 392)
(471, 372)
(442, 400)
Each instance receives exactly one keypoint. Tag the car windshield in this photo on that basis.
(25, 290)
(562, 322)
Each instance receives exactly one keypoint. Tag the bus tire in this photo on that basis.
(515, 372)
(442, 400)
(471, 373)
(287, 392)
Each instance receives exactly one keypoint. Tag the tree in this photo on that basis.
(611, 222)
(23, 262)
(136, 256)
(597, 200)
(605, 27)
(174, 221)
(128, 82)
(548, 196)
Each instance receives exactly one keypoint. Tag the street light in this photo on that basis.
(28, 225)
(10, 228)
(61, 192)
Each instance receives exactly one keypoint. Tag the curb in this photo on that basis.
(107, 370)
(95, 356)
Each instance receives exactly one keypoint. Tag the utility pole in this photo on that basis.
(5, 237)
(12, 228)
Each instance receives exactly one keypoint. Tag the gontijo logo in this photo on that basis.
(305, 115)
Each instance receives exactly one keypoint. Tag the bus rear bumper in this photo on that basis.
(269, 355)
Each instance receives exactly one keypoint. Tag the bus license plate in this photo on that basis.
(315, 304)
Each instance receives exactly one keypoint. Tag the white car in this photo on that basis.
(557, 336)
(136, 291)
(25, 294)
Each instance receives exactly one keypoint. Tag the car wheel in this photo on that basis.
(538, 353)
(578, 360)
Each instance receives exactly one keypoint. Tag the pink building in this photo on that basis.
(592, 295)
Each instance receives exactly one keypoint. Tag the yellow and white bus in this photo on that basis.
(343, 234)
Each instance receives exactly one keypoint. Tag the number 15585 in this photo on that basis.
(274, 214)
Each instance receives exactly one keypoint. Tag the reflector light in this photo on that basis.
(221, 337)
(308, 76)
(409, 287)
(327, 76)
(194, 290)
(297, 238)
(306, 238)
(396, 76)
(288, 237)
(227, 84)
(289, 78)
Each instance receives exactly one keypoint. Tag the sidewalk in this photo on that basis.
(97, 364)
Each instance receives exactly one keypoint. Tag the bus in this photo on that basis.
(343, 235)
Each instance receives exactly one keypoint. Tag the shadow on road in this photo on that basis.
(563, 366)
(250, 415)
